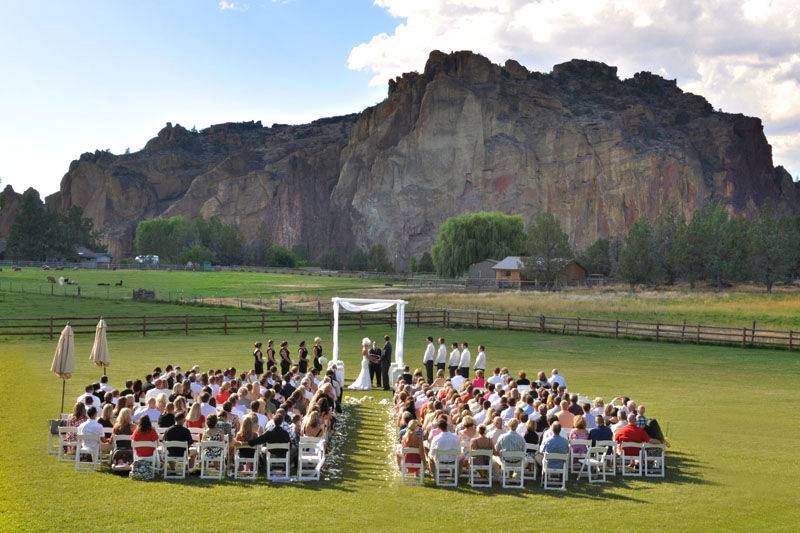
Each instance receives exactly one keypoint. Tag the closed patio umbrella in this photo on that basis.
(99, 355)
(64, 359)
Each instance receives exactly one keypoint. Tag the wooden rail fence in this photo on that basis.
(263, 322)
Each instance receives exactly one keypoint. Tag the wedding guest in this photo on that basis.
(316, 351)
(144, 432)
(258, 359)
(195, 418)
(286, 360)
(270, 354)
(302, 358)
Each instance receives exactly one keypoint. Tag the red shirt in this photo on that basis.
(144, 436)
(223, 396)
(631, 433)
(200, 422)
(478, 382)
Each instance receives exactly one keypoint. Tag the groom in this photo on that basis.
(386, 359)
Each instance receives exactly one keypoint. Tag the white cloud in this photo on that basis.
(742, 55)
(227, 5)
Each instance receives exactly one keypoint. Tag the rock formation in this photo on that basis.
(463, 135)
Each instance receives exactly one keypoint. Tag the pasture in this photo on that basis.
(731, 464)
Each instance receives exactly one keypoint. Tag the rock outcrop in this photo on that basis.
(463, 135)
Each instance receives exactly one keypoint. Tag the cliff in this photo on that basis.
(463, 135)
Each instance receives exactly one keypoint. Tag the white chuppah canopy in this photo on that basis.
(369, 305)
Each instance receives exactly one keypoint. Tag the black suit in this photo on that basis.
(375, 368)
(386, 360)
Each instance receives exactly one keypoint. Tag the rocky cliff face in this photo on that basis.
(463, 135)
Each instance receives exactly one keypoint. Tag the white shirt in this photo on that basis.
(441, 355)
(455, 357)
(207, 409)
(89, 428)
(85, 395)
(558, 379)
(619, 425)
(428, 353)
(456, 381)
(465, 358)
(508, 413)
(479, 417)
(152, 413)
(494, 434)
(153, 393)
(445, 441)
(262, 420)
(105, 387)
(480, 361)
(196, 388)
(522, 429)
(496, 380)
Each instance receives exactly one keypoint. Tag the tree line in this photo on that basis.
(710, 246)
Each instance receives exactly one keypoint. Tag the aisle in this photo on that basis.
(368, 447)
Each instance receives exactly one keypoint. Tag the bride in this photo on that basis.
(363, 381)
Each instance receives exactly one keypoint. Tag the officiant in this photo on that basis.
(375, 364)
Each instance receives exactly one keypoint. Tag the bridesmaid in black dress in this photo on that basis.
(286, 360)
(270, 354)
(258, 363)
(302, 355)
(317, 352)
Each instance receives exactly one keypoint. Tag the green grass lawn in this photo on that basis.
(732, 464)
(175, 285)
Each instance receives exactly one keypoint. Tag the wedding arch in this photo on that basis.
(369, 305)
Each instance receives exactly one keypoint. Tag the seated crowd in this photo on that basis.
(502, 413)
(242, 410)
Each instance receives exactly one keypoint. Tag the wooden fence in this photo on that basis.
(264, 322)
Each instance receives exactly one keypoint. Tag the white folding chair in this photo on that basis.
(411, 473)
(175, 466)
(530, 461)
(554, 477)
(310, 458)
(631, 463)
(245, 467)
(87, 446)
(52, 437)
(512, 469)
(578, 449)
(594, 465)
(212, 459)
(105, 455)
(480, 475)
(115, 445)
(154, 459)
(278, 468)
(653, 456)
(445, 464)
(611, 456)
(67, 443)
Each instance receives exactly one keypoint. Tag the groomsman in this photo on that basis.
(441, 355)
(427, 360)
(480, 361)
(465, 360)
(455, 359)
(386, 361)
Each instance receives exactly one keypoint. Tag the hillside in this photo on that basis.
(462, 135)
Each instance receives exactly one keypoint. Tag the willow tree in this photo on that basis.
(473, 237)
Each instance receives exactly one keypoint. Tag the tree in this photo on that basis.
(412, 264)
(425, 263)
(358, 260)
(687, 252)
(35, 234)
(665, 230)
(331, 261)
(547, 247)
(278, 256)
(772, 247)
(637, 260)
(473, 237)
(223, 240)
(165, 237)
(197, 253)
(597, 258)
(378, 260)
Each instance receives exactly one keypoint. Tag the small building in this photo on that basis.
(482, 270)
(91, 259)
(510, 271)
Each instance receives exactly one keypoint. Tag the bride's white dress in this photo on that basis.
(362, 382)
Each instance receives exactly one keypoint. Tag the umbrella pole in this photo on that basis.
(63, 385)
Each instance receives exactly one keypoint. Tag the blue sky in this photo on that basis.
(81, 75)
(78, 76)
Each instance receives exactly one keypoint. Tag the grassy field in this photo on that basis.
(174, 285)
(726, 468)
(738, 308)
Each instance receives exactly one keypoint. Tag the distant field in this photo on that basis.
(780, 310)
(725, 470)
(177, 285)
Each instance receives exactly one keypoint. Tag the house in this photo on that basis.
(510, 271)
(482, 270)
(91, 259)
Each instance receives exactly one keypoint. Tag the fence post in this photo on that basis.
(698, 333)
(297, 323)
(448, 319)
(144, 326)
(616, 329)
(280, 305)
(51, 328)
(541, 323)
(186, 325)
(658, 331)
(417, 318)
(578, 326)
(330, 321)
(262, 322)
(225, 324)
(683, 331)
(744, 336)
(508, 321)
(319, 307)
(477, 319)
(791, 334)
(753, 335)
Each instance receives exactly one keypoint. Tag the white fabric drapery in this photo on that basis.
(360, 305)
